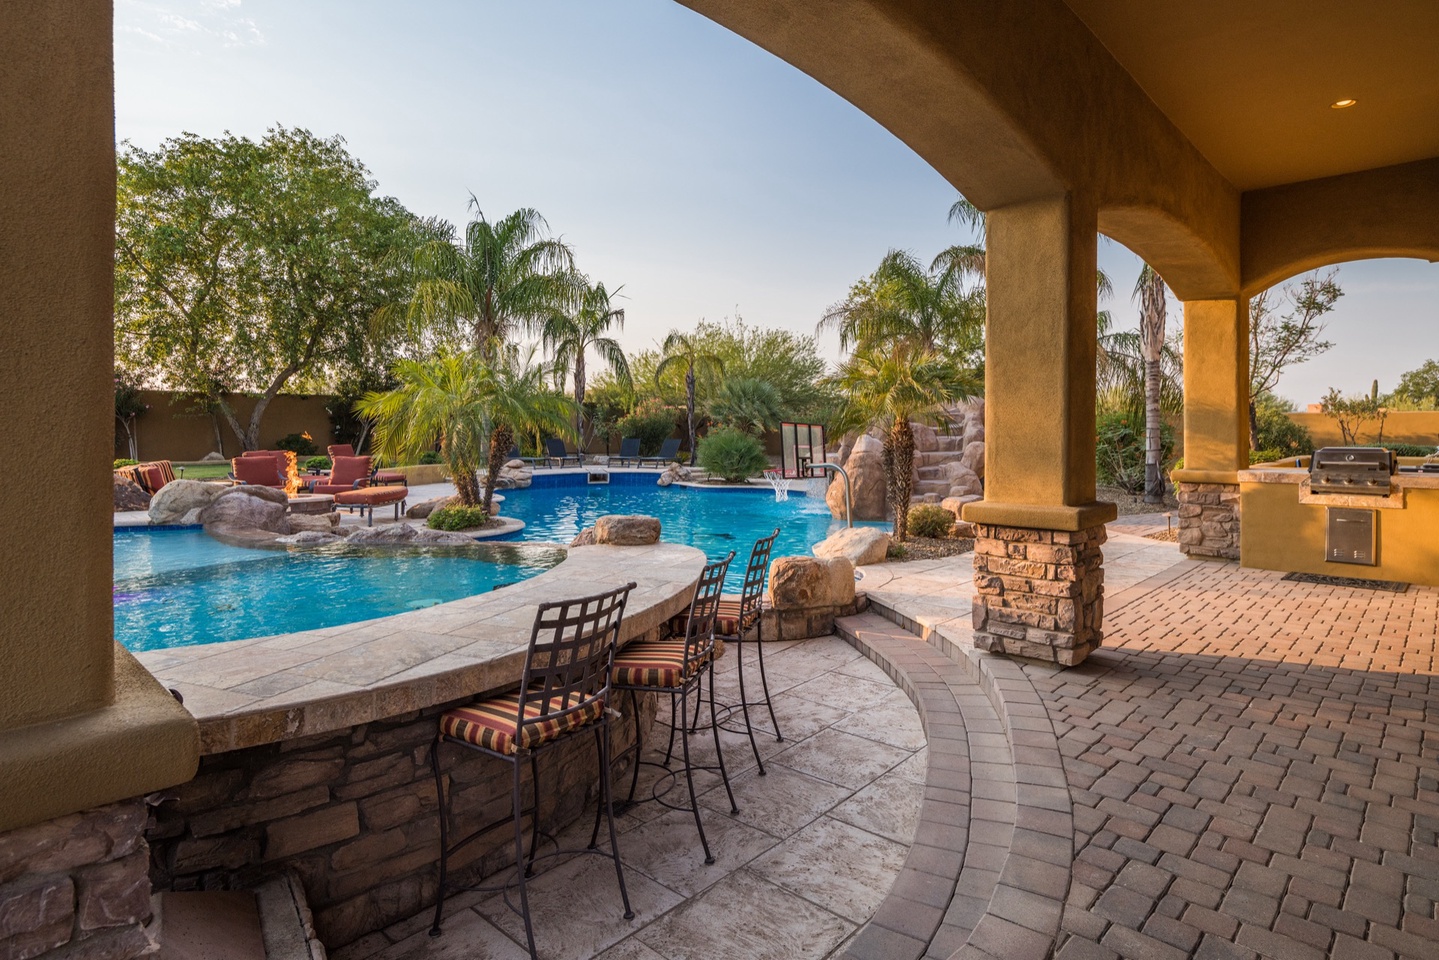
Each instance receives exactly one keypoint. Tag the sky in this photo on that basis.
(708, 177)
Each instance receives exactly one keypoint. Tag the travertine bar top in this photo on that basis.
(249, 692)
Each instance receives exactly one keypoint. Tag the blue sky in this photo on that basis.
(704, 174)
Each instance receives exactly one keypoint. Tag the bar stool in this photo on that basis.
(674, 667)
(564, 692)
(736, 616)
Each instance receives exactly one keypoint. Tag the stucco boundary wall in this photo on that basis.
(1401, 426)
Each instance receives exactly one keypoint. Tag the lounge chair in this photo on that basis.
(150, 476)
(258, 471)
(669, 451)
(346, 474)
(629, 451)
(335, 450)
(514, 454)
(555, 450)
(378, 477)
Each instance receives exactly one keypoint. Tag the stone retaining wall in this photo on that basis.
(1209, 520)
(1039, 594)
(77, 887)
(354, 813)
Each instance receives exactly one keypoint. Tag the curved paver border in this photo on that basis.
(1023, 913)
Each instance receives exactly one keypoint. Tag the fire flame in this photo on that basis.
(292, 474)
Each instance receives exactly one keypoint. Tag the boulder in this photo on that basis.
(962, 480)
(180, 501)
(515, 475)
(214, 456)
(859, 545)
(392, 534)
(798, 583)
(129, 495)
(673, 474)
(953, 505)
(841, 580)
(865, 467)
(248, 508)
(315, 523)
(310, 538)
(585, 538)
(926, 438)
(424, 508)
(973, 457)
(964, 530)
(627, 530)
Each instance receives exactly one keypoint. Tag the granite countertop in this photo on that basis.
(268, 689)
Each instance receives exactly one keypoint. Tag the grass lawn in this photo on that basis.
(218, 470)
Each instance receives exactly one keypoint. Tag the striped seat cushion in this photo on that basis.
(491, 723)
(657, 663)
(727, 619)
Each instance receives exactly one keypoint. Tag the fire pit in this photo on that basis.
(311, 503)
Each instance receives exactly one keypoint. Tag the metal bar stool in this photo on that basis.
(564, 693)
(674, 667)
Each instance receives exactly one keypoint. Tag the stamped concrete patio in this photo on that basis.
(1248, 768)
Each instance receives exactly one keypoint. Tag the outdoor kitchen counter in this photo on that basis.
(250, 692)
(1283, 526)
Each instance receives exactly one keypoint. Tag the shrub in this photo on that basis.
(651, 423)
(300, 444)
(732, 454)
(458, 518)
(1400, 449)
(1268, 456)
(318, 463)
(1119, 448)
(125, 462)
(1277, 431)
(430, 456)
(929, 520)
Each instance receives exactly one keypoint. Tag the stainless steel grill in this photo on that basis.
(1364, 471)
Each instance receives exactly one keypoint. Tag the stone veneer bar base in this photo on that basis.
(353, 813)
(1039, 594)
(1209, 520)
(77, 886)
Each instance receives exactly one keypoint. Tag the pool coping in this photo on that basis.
(246, 693)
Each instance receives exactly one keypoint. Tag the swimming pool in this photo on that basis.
(177, 587)
(715, 520)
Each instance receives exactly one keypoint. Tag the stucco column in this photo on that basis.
(1038, 576)
(1216, 426)
(81, 723)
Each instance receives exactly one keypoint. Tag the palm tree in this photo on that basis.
(748, 404)
(682, 349)
(1151, 293)
(571, 334)
(904, 301)
(505, 276)
(522, 400)
(891, 384)
(464, 402)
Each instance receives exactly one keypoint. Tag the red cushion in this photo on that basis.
(344, 471)
(153, 476)
(372, 496)
(335, 450)
(491, 723)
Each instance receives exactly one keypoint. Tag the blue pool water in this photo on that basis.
(714, 520)
(178, 587)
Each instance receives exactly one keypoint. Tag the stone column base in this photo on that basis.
(1039, 593)
(1209, 520)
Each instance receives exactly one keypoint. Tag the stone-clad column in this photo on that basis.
(1216, 426)
(1038, 564)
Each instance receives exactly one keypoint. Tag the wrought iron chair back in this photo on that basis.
(704, 608)
(572, 648)
(752, 594)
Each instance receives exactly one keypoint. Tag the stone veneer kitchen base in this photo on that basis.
(1039, 594)
(77, 886)
(1209, 520)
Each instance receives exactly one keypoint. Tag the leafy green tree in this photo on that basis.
(1276, 430)
(1420, 384)
(683, 351)
(1279, 338)
(571, 334)
(747, 404)
(504, 277)
(892, 384)
(244, 267)
(1353, 413)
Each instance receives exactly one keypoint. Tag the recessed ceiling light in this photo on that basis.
(1341, 104)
